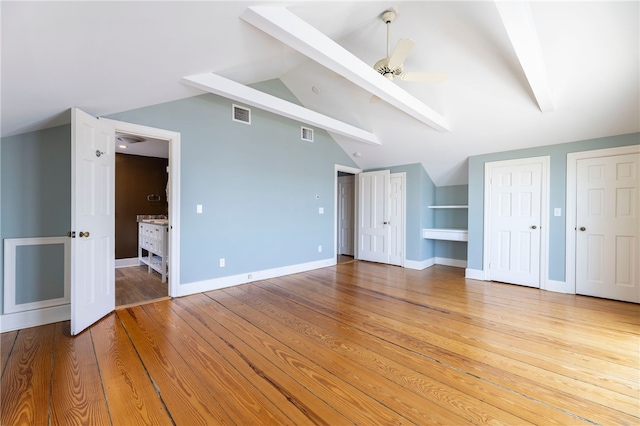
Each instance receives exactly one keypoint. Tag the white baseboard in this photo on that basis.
(559, 287)
(474, 274)
(451, 262)
(34, 318)
(419, 264)
(427, 263)
(125, 263)
(217, 283)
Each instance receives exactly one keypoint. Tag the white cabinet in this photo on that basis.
(447, 234)
(152, 247)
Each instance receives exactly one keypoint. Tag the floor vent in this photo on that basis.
(306, 134)
(241, 114)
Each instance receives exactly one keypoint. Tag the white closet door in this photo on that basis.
(373, 216)
(515, 222)
(607, 240)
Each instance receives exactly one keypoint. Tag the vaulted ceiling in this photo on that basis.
(107, 57)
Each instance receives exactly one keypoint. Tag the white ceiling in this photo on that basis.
(108, 57)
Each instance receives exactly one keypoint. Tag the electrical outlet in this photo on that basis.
(320, 210)
(249, 276)
(319, 249)
(222, 262)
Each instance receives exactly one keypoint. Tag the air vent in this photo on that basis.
(241, 114)
(306, 134)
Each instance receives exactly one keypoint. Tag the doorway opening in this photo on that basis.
(346, 200)
(345, 213)
(141, 219)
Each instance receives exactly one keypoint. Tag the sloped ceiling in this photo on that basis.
(107, 57)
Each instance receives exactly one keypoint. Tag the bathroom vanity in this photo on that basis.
(153, 235)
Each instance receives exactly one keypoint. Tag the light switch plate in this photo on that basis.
(321, 210)
(557, 211)
(199, 208)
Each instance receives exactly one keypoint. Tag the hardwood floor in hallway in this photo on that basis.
(357, 343)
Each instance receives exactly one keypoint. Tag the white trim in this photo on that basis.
(419, 265)
(559, 287)
(544, 213)
(34, 318)
(345, 169)
(475, 274)
(174, 190)
(218, 283)
(571, 209)
(457, 263)
(10, 246)
(126, 263)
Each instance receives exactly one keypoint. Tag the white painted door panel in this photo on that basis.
(373, 213)
(608, 240)
(515, 224)
(92, 220)
(346, 201)
(396, 220)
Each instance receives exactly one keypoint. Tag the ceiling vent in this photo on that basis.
(306, 134)
(241, 114)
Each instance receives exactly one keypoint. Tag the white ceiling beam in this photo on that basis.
(238, 92)
(286, 27)
(518, 21)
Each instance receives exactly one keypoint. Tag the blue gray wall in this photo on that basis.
(35, 195)
(557, 197)
(258, 185)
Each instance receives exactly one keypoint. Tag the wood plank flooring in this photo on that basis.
(358, 343)
(134, 285)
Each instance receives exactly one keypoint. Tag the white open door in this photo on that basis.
(373, 216)
(608, 230)
(92, 220)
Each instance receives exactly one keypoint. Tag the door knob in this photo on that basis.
(84, 234)
(582, 228)
(386, 223)
(534, 227)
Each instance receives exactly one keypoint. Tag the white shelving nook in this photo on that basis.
(152, 246)
(447, 234)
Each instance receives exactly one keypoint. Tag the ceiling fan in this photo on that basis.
(391, 66)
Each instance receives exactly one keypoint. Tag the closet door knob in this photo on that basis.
(534, 227)
(582, 228)
(84, 234)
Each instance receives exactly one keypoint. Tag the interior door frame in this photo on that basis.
(174, 190)
(544, 214)
(571, 205)
(354, 171)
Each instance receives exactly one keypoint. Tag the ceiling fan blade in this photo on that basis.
(425, 77)
(400, 53)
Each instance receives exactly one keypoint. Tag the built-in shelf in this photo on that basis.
(445, 234)
(449, 207)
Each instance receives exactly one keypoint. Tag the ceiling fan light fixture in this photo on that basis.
(130, 139)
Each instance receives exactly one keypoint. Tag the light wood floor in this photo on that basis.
(355, 343)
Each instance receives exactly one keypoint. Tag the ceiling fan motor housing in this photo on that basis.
(382, 66)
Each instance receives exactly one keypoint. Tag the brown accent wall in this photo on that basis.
(136, 178)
